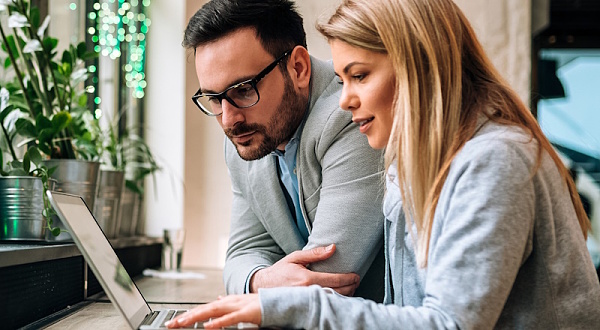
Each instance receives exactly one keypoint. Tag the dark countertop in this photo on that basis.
(19, 253)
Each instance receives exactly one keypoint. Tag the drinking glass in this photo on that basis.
(172, 249)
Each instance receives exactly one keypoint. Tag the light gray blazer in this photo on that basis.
(340, 181)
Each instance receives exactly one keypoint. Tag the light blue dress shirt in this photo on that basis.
(288, 176)
(286, 160)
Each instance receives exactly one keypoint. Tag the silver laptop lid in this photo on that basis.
(100, 256)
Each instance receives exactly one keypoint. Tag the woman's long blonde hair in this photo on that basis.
(444, 83)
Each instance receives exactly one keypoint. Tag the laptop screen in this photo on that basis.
(100, 256)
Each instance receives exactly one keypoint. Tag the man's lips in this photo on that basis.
(244, 137)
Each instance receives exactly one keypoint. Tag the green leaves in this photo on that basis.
(55, 231)
(50, 45)
(48, 130)
(66, 66)
(5, 112)
(2, 172)
(12, 47)
(34, 17)
(134, 186)
(26, 128)
(34, 155)
(23, 168)
(42, 92)
(60, 121)
(16, 168)
(44, 130)
(84, 54)
(26, 163)
(46, 84)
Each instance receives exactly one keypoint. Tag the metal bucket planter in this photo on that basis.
(75, 177)
(21, 206)
(108, 201)
(140, 229)
(130, 206)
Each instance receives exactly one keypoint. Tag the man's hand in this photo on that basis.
(226, 311)
(292, 271)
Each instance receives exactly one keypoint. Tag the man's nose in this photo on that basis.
(231, 115)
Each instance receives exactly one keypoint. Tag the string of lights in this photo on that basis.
(121, 26)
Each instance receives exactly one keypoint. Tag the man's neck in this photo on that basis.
(281, 147)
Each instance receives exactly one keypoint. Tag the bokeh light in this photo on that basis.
(121, 24)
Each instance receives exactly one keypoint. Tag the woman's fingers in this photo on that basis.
(233, 318)
(225, 311)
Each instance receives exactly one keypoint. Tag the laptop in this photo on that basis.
(105, 264)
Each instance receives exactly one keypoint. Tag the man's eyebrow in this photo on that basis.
(235, 82)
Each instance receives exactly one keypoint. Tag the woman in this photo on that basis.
(494, 232)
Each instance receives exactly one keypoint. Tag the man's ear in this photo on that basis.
(299, 64)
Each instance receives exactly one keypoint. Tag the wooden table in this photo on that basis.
(158, 292)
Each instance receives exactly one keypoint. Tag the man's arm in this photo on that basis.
(253, 250)
(250, 247)
(347, 208)
(349, 211)
(350, 197)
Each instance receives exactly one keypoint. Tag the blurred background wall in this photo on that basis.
(504, 29)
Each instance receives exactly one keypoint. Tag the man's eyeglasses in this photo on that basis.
(241, 95)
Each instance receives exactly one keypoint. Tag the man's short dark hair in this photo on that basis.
(277, 23)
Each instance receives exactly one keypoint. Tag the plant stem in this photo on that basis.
(66, 148)
(33, 77)
(17, 71)
(46, 100)
(34, 35)
(9, 142)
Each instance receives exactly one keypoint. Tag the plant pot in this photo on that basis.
(140, 228)
(21, 206)
(129, 215)
(108, 200)
(76, 177)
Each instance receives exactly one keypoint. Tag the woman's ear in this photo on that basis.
(299, 64)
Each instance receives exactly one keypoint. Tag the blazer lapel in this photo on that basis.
(272, 206)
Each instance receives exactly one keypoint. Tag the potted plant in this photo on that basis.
(126, 152)
(48, 91)
(25, 212)
(110, 184)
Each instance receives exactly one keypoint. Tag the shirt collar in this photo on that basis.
(293, 143)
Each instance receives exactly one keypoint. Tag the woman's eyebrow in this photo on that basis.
(350, 65)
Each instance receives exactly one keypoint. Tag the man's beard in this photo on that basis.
(280, 128)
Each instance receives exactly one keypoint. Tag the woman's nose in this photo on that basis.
(348, 99)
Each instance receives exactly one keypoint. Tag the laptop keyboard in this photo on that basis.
(174, 313)
(171, 315)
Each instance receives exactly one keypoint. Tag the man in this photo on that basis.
(302, 175)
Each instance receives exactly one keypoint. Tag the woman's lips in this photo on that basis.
(364, 124)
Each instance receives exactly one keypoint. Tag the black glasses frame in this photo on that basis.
(223, 95)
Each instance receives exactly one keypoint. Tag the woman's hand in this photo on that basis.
(226, 311)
